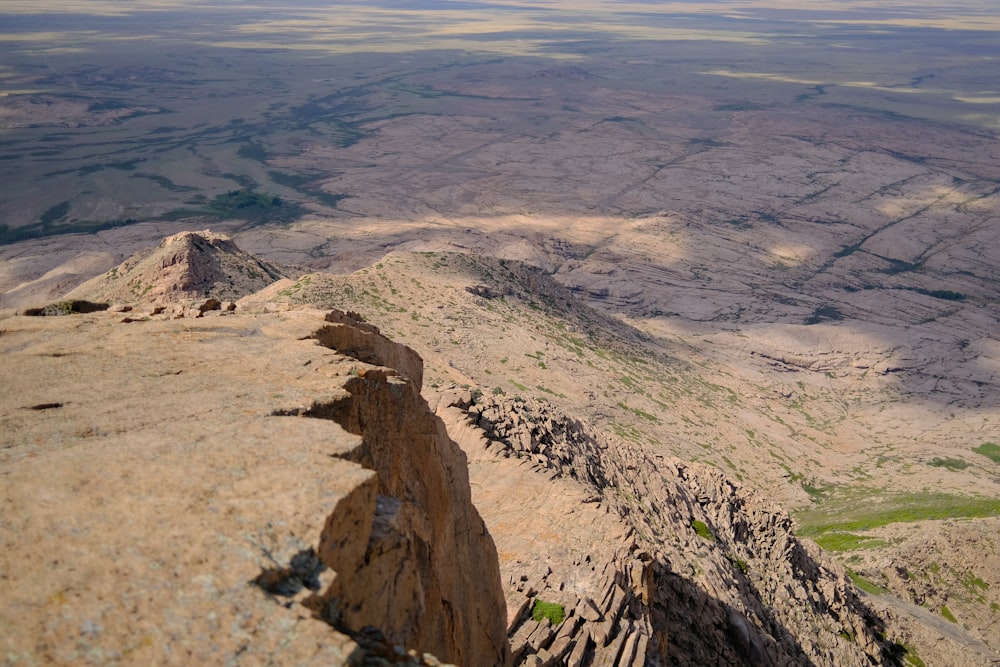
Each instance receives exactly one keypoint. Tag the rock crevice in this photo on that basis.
(427, 575)
(177, 498)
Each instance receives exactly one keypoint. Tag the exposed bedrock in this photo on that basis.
(167, 500)
(710, 572)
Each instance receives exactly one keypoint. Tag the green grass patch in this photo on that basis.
(972, 582)
(947, 614)
(853, 510)
(739, 564)
(836, 541)
(246, 203)
(550, 610)
(816, 493)
(975, 586)
(990, 450)
(866, 585)
(702, 529)
(949, 463)
(639, 413)
(911, 657)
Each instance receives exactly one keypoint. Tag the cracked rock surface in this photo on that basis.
(161, 505)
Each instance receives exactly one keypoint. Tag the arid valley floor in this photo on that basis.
(762, 239)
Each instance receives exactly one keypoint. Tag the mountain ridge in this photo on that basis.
(678, 535)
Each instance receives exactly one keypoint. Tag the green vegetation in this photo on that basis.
(54, 214)
(304, 281)
(835, 520)
(816, 493)
(246, 203)
(911, 657)
(947, 614)
(990, 450)
(836, 541)
(550, 610)
(975, 585)
(639, 413)
(702, 529)
(866, 585)
(739, 563)
(855, 509)
(950, 464)
(40, 230)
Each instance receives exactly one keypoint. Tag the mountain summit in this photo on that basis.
(183, 267)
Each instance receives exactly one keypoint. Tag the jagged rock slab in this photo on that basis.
(711, 572)
(164, 504)
(557, 546)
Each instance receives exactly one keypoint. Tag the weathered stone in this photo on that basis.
(183, 268)
(178, 503)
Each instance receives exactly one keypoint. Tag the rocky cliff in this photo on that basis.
(169, 500)
(708, 571)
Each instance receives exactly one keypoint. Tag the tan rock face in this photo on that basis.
(183, 267)
(162, 506)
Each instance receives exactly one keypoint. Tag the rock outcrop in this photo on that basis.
(710, 573)
(183, 268)
(167, 500)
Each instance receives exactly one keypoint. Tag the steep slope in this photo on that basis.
(713, 575)
(164, 505)
(814, 418)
